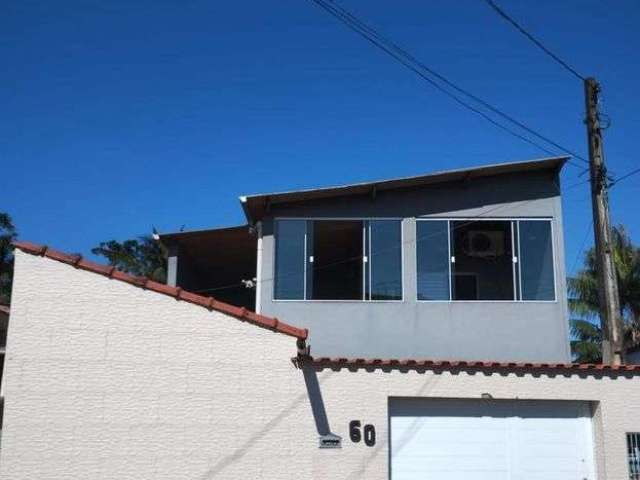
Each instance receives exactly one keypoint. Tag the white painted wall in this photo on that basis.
(105, 380)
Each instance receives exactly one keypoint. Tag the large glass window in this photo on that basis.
(338, 260)
(384, 260)
(482, 266)
(432, 239)
(493, 260)
(290, 259)
(536, 260)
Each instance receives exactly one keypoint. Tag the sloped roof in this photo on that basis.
(255, 206)
(233, 233)
(209, 303)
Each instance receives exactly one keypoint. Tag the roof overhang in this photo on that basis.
(256, 206)
(220, 255)
(221, 235)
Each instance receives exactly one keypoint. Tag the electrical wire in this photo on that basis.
(580, 250)
(449, 94)
(537, 42)
(484, 103)
(418, 67)
(625, 176)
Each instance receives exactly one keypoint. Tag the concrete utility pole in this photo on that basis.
(610, 317)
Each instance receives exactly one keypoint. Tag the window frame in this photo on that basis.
(515, 251)
(366, 244)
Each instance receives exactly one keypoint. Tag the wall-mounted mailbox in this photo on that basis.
(330, 441)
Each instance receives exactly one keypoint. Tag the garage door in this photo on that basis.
(490, 440)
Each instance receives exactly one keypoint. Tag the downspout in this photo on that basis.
(258, 307)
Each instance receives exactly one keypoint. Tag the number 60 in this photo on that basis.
(356, 435)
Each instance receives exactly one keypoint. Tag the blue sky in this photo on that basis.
(117, 116)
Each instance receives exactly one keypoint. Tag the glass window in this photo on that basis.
(337, 271)
(432, 245)
(290, 259)
(536, 260)
(384, 260)
(338, 260)
(483, 260)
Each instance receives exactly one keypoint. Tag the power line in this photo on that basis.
(453, 85)
(579, 252)
(420, 68)
(625, 176)
(537, 42)
(440, 88)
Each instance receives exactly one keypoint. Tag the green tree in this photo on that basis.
(142, 256)
(7, 235)
(585, 304)
(586, 346)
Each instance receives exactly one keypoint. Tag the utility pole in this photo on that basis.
(610, 317)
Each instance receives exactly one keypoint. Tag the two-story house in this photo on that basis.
(403, 329)
(463, 265)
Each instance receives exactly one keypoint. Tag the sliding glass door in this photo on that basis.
(482, 261)
(384, 259)
(338, 260)
(485, 260)
(336, 253)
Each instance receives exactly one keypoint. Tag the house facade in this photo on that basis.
(461, 265)
(112, 376)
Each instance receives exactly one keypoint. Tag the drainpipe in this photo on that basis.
(258, 308)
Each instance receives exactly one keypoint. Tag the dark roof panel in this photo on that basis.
(209, 235)
(255, 206)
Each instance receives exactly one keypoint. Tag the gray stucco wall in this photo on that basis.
(505, 331)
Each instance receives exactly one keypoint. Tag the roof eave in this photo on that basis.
(246, 210)
(251, 207)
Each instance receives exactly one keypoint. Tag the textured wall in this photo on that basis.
(109, 381)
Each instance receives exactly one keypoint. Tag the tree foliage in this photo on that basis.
(142, 256)
(8, 234)
(585, 303)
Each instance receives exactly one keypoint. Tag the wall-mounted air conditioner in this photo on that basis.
(485, 243)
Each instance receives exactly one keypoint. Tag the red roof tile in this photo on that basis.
(176, 292)
(412, 364)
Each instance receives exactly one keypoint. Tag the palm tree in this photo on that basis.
(585, 304)
(586, 345)
(7, 235)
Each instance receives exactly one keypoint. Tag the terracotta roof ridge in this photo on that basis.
(178, 293)
(462, 364)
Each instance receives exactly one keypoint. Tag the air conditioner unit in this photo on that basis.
(485, 243)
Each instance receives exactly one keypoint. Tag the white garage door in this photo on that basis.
(490, 440)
